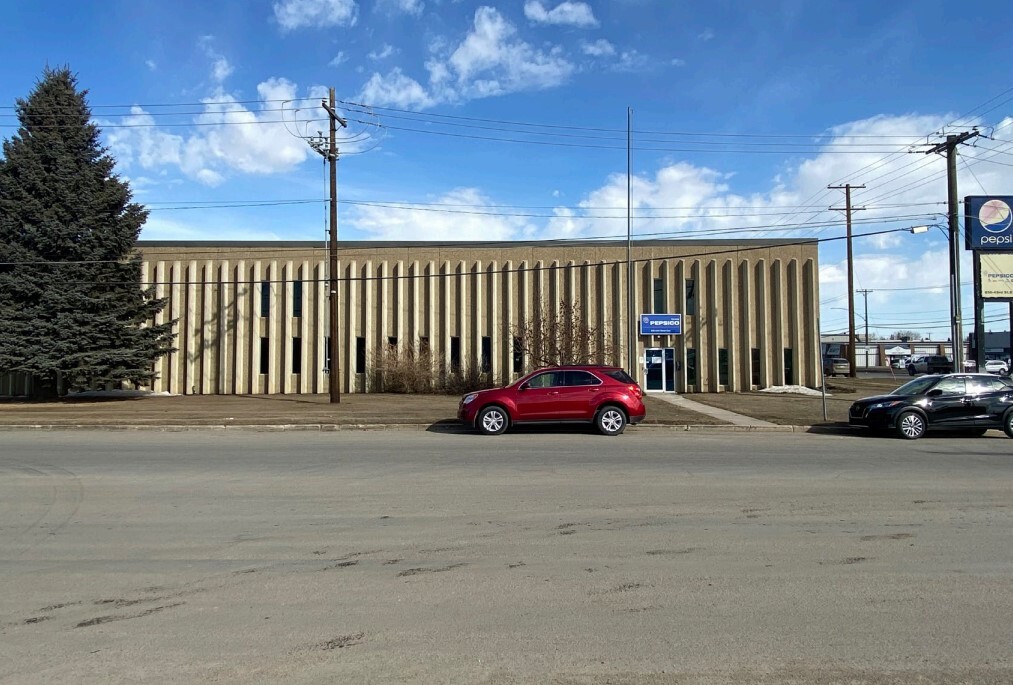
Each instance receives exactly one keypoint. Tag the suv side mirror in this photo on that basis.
(524, 386)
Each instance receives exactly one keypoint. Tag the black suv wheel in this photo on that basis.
(1007, 424)
(910, 425)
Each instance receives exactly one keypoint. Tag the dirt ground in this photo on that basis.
(273, 410)
(802, 410)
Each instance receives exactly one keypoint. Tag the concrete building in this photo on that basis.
(252, 317)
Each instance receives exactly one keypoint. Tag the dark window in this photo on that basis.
(691, 367)
(327, 354)
(360, 355)
(755, 360)
(549, 379)
(265, 355)
(690, 297)
(455, 353)
(486, 354)
(391, 341)
(297, 298)
(296, 355)
(659, 296)
(423, 344)
(722, 366)
(789, 366)
(518, 355)
(620, 375)
(580, 378)
(265, 298)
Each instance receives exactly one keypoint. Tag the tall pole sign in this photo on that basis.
(988, 233)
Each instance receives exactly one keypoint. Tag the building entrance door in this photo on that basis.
(660, 371)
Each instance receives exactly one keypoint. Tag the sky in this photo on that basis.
(508, 121)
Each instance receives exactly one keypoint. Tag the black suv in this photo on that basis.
(970, 402)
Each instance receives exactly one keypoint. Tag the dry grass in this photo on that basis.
(392, 408)
(802, 410)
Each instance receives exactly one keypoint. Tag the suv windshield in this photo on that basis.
(918, 386)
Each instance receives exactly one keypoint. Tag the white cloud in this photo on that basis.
(221, 69)
(339, 59)
(295, 14)
(599, 48)
(384, 52)
(631, 60)
(416, 222)
(567, 13)
(491, 60)
(150, 64)
(706, 35)
(229, 138)
(395, 89)
(410, 7)
(678, 62)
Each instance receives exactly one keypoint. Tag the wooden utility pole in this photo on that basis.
(334, 369)
(865, 295)
(848, 209)
(957, 330)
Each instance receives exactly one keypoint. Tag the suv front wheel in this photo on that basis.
(610, 420)
(910, 425)
(492, 420)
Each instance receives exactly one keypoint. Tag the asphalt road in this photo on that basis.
(653, 558)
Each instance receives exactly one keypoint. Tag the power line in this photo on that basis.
(734, 250)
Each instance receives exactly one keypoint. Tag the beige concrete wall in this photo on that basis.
(749, 295)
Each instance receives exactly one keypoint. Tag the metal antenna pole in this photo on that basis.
(629, 244)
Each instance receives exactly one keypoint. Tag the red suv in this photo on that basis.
(603, 395)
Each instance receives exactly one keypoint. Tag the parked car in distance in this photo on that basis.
(971, 402)
(833, 366)
(930, 363)
(996, 366)
(899, 362)
(603, 395)
(970, 365)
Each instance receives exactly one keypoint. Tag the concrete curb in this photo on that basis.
(335, 427)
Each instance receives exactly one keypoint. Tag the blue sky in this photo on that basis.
(506, 120)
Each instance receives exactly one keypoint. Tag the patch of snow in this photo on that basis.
(121, 393)
(793, 390)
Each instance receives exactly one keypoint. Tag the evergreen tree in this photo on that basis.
(73, 310)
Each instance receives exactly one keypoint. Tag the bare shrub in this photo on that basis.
(402, 369)
(408, 370)
(560, 336)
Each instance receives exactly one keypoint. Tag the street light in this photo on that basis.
(956, 329)
(851, 297)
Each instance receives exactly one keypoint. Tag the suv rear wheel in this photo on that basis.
(1007, 424)
(610, 420)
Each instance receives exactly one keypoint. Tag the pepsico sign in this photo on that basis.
(988, 222)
